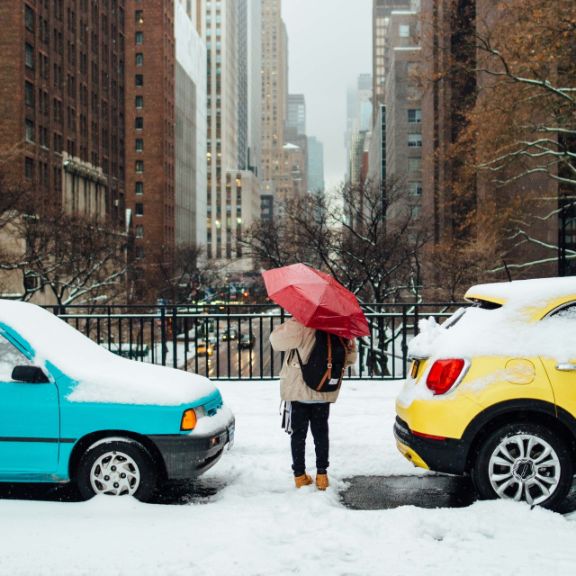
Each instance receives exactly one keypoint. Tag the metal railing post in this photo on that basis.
(163, 335)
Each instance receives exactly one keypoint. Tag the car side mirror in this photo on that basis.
(29, 374)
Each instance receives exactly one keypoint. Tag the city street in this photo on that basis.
(231, 358)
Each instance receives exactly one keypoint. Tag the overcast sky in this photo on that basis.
(329, 45)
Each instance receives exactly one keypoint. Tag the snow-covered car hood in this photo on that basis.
(96, 374)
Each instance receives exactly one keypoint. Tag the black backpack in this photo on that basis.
(325, 367)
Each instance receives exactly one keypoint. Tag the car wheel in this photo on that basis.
(117, 467)
(524, 462)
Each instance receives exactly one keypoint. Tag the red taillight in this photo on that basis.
(444, 374)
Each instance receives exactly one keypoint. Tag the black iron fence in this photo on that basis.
(231, 342)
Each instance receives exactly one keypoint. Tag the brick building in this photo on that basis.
(452, 87)
(62, 103)
(150, 119)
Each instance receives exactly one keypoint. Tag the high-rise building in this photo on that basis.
(222, 152)
(358, 123)
(274, 88)
(381, 10)
(255, 86)
(296, 114)
(190, 135)
(62, 103)
(150, 137)
(449, 36)
(315, 166)
(249, 57)
(232, 29)
(403, 108)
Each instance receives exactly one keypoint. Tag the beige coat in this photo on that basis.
(289, 336)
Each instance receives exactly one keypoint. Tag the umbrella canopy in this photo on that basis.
(316, 300)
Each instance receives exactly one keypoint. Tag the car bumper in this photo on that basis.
(191, 455)
(440, 455)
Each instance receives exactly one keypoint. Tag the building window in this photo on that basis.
(139, 102)
(415, 140)
(29, 168)
(415, 188)
(139, 145)
(29, 18)
(29, 94)
(139, 80)
(139, 123)
(139, 188)
(139, 59)
(139, 166)
(414, 164)
(414, 115)
(139, 209)
(139, 38)
(139, 17)
(29, 130)
(404, 30)
(29, 56)
(139, 231)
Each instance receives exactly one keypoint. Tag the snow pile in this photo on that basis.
(506, 331)
(257, 524)
(101, 375)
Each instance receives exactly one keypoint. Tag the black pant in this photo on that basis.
(317, 416)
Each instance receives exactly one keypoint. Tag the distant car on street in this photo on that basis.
(72, 411)
(204, 348)
(230, 335)
(247, 340)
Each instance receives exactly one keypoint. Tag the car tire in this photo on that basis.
(524, 462)
(117, 467)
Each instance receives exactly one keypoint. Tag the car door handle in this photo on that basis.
(566, 367)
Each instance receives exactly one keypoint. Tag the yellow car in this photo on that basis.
(204, 349)
(492, 392)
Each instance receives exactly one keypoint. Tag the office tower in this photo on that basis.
(315, 166)
(222, 142)
(62, 112)
(190, 135)
(150, 137)
(381, 10)
(403, 109)
(358, 123)
(296, 119)
(274, 88)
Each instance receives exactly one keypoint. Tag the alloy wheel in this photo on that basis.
(524, 467)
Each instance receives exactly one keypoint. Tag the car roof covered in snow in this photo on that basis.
(539, 292)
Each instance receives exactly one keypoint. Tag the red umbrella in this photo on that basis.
(316, 300)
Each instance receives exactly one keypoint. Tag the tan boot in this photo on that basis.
(303, 480)
(322, 481)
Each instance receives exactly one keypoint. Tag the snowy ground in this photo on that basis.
(258, 524)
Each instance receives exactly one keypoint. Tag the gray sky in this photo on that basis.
(329, 45)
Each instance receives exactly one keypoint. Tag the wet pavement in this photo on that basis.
(426, 491)
(174, 493)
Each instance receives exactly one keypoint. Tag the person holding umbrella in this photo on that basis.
(319, 345)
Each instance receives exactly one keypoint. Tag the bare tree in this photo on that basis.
(369, 241)
(75, 258)
(516, 144)
(178, 276)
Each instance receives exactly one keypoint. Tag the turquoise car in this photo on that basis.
(72, 411)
